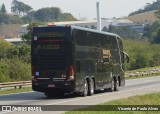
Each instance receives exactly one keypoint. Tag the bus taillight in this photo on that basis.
(51, 24)
(33, 74)
(68, 25)
(71, 73)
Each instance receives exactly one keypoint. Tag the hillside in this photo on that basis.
(141, 17)
(148, 7)
(9, 30)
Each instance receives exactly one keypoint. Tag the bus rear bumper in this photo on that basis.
(54, 88)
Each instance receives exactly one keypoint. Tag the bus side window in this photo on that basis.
(78, 66)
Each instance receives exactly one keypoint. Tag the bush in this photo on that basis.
(14, 62)
(20, 71)
(4, 46)
(142, 54)
(4, 70)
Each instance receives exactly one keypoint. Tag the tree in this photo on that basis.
(51, 14)
(47, 14)
(19, 8)
(4, 18)
(150, 31)
(67, 16)
(3, 9)
(14, 7)
(156, 36)
(4, 46)
(27, 37)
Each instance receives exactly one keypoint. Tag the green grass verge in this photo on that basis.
(148, 99)
(15, 90)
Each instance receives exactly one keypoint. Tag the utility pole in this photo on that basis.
(98, 17)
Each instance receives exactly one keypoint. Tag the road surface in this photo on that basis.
(133, 87)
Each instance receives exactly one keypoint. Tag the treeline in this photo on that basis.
(149, 7)
(23, 13)
(48, 15)
(14, 62)
(152, 32)
(142, 54)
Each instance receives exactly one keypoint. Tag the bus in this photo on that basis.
(72, 59)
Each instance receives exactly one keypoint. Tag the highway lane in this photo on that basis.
(133, 87)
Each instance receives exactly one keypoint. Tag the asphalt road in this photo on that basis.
(133, 87)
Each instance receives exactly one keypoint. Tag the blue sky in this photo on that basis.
(87, 8)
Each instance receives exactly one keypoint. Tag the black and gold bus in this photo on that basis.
(69, 59)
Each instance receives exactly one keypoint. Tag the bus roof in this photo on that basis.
(83, 28)
(93, 30)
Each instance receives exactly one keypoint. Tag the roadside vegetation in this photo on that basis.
(144, 51)
(148, 99)
(11, 91)
(14, 62)
(15, 59)
(142, 54)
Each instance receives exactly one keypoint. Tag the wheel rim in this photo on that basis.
(85, 89)
(112, 88)
(117, 85)
(92, 87)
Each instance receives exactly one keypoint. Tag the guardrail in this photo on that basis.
(155, 71)
(19, 84)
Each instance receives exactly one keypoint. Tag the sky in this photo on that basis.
(87, 8)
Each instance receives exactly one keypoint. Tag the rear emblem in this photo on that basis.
(35, 38)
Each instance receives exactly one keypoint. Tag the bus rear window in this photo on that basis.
(49, 47)
(48, 44)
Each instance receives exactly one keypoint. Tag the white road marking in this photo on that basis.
(89, 97)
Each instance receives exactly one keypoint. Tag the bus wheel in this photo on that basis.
(91, 87)
(85, 89)
(116, 85)
(49, 95)
(112, 85)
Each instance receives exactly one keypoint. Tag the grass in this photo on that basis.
(15, 90)
(134, 101)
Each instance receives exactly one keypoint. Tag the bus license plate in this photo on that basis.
(51, 85)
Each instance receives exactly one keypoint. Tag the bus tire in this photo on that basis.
(112, 85)
(116, 85)
(49, 95)
(85, 89)
(91, 88)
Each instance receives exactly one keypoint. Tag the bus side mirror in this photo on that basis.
(125, 57)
